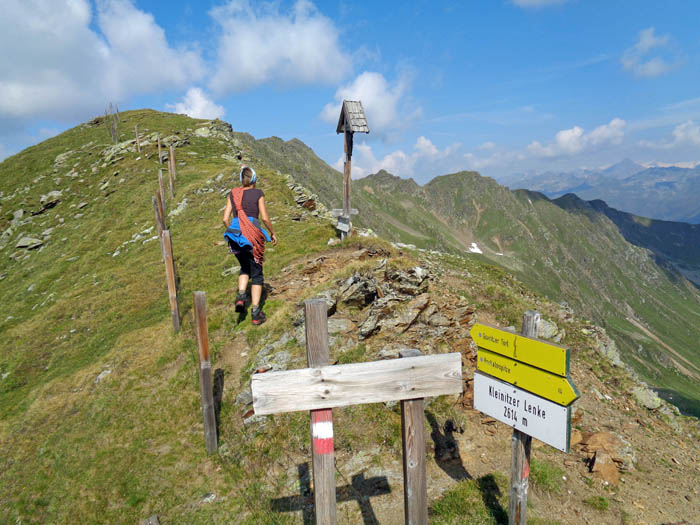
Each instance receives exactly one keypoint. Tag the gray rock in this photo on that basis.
(547, 330)
(608, 348)
(104, 186)
(203, 132)
(229, 271)
(413, 281)
(29, 243)
(209, 497)
(17, 215)
(358, 290)
(646, 397)
(82, 205)
(51, 196)
(245, 398)
(180, 208)
(102, 375)
(331, 298)
(336, 325)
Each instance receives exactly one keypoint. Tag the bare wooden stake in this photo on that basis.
(415, 485)
(161, 207)
(170, 276)
(159, 226)
(138, 142)
(160, 156)
(200, 317)
(316, 319)
(172, 186)
(520, 448)
(171, 157)
(160, 185)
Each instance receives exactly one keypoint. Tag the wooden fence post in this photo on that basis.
(200, 318)
(160, 185)
(171, 158)
(160, 226)
(138, 142)
(520, 448)
(161, 207)
(170, 275)
(415, 487)
(160, 157)
(316, 320)
(172, 188)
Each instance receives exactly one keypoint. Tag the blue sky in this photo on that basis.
(501, 87)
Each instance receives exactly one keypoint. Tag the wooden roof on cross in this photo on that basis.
(352, 117)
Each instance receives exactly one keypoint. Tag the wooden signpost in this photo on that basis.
(524, 382)
(352, 119)
(322, 387)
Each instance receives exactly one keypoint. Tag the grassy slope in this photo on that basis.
(77, 451)
(134, 435)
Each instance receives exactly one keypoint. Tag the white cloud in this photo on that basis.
(424, 155)
(54, 64)
(196, 104)
(685, 134)
(637, 58)
(261, 44)
(537, 3)
(488, 145)
(380, 100)
(572, 141)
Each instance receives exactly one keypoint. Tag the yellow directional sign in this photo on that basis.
(556, 388)
(535, 352)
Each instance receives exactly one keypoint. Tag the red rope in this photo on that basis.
(254, 235)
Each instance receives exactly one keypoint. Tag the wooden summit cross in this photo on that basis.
(352, 118)
(321, 388)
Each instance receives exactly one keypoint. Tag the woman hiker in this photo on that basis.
(246, 238)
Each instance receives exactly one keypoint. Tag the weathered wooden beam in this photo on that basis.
(171, 158)
(357, 383)
(206, 388)
(415, 485)
(317, 354)
(161, 207)
(159, 220)
(170, 276)
(138, 142)
(160, 157)
(520, 448)
(172, 186)
(160, 185)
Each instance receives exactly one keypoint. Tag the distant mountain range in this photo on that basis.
(667, 193)
(622, 270)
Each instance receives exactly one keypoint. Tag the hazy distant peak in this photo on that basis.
(624, 168)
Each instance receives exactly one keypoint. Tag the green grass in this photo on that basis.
(600, 503)
(481, 501)
(546, 476)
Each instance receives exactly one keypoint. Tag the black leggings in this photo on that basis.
(248, 265)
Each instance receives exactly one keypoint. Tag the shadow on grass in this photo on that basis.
(359, 489)
(218, 389)
(490, 492)
(447, 449)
